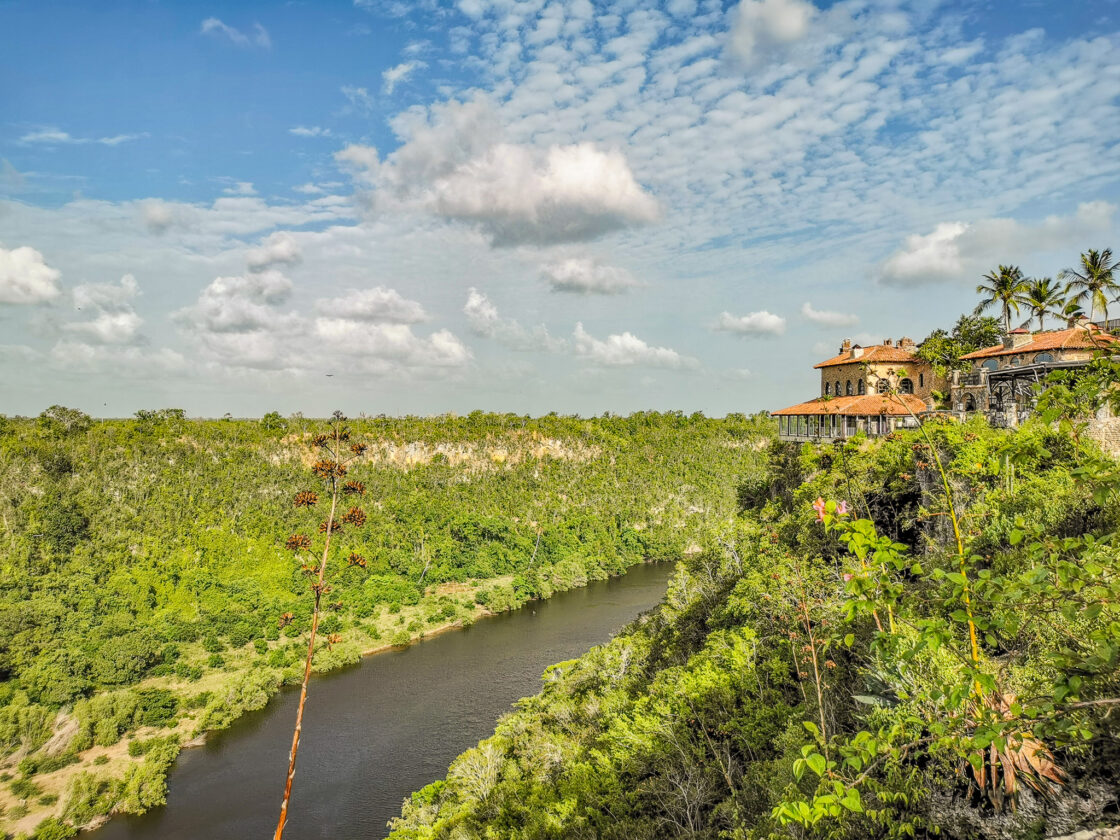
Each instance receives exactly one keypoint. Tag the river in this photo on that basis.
(377, 731)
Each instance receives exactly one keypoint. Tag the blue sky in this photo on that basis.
(525, 205)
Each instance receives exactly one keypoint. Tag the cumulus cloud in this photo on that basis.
(395, 75)
(483, 317)
(581, 275)
(760, 323)
(157, 215)
(764, 26)
(258, 37)
(278, 249)
(57, 137)
(383, 347)
(379, 305)
(956, 251)
(26, 278)
(454, 165)
(625, 350)
(113, 321)
(826, 318)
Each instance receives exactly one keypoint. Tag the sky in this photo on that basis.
(422, 207)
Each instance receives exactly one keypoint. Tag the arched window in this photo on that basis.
(882, 386)
(861, 389)
(1043, 357)
(991, 364)
(836, 390)
(827, 388)
(970, 403)
(848, 388)
(906, 386)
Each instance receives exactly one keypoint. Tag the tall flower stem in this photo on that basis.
(318, 590)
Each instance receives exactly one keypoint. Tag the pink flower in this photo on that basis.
(842, 509)
(847, 577)
(818, 506)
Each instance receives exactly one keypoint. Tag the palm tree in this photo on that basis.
(1072, 312)
(1005, 285)
(1094, 281)
(1041, 296)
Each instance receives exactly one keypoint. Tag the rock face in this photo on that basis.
(1063, 816)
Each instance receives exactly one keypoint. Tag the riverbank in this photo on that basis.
(114, 762)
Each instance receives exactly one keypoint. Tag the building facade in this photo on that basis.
(870, 390)
(1002, 380)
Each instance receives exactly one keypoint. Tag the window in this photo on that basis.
(848, 388)
(921, 380)
(882, 385)
(991, 364)
(836, 390)
(970, 403)
(827, 388)
(861, 389)
(1043, 357)
(906, 386)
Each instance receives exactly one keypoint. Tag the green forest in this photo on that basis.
(912, 636)
(148, 597)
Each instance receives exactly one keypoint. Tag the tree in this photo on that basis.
(971, 332)
(1042, 296)
(1005, 285)
(1095, 280)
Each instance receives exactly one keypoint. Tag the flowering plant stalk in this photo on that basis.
(336, 451)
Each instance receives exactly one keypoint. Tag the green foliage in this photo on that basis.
(971, 332)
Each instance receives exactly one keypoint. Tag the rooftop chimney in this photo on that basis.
(905, 343)
(845, 346)
(887, 343)
(856, 352)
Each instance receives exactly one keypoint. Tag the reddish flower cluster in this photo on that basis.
(297, 542)
(355, 516)
(356, 560)
(310, 569)
(320, 441)
(333, 639)
(334, 527)
(306, 498)
(286, 619)
(329, 469)
(354, 488)
(358, 448)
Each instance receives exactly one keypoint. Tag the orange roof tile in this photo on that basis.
(866, 405)
(874, 353)
(1074, 338)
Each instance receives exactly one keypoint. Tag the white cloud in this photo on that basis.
(383, 348)
(453, 165)
(279, 248)
(358, 97)
(826, 318)
(57, 137)
(114, 320)
(309, 189)
(763, 26)
(485, 321)
(258, 37)
(157, 215)
(956, 251)
(755, 323)
(395, 75)
(140, 362)
(625, 350)
(310, 131)
(26, 278)
(585, 276)
(379, 305)
(240, 188)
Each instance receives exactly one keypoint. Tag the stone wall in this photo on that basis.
(872, 372)
(1106, 432)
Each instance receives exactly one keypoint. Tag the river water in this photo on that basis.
(376, 732)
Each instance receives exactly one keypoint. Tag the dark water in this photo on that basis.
(378, 731)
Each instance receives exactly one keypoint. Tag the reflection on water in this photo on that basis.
(378, 731)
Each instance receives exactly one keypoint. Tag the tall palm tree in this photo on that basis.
(1094, 281)
(1005, 285)
(1072, 312)
(1042, 296)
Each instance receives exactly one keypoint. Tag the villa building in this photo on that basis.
(873, 390)
(1002, 379)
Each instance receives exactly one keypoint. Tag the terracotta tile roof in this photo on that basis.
(874, 353)
(867, 405)
(1074, 338)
